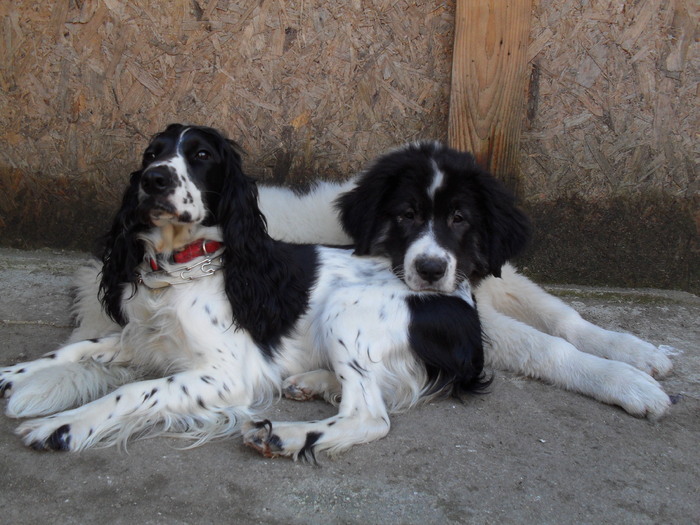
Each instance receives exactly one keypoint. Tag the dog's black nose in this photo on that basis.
(156, 180)
(430, 269)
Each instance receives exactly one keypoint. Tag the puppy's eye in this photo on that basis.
(203, 155)
(458, 219)
(149, 156)
(408, 215)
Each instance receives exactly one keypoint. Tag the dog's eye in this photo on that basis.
(149, 156)
(203, 155)
(458, 219)
(408, 215)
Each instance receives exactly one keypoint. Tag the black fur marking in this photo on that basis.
(171, 379)
(52, 355)
(207, 379)
(58, 440)
(307, 451)
(95, 340)
(274, 442)
(357, 367)
(200, 402)
(20, 371)
(265, 423)
(185, 391)
(7, 385)
(117, 399)
(445, 334)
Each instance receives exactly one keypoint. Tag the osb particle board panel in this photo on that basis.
(309, 88)
(613, 102)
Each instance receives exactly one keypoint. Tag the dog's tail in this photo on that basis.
(64, 386)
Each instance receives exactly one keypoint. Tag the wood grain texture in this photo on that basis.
(489, 81)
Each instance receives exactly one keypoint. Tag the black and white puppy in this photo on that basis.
(419, 206)
(219, 317)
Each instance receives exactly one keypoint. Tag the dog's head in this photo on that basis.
(436, 214)
(183, 174)
(190, 176)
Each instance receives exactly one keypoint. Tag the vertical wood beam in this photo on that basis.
(489, 82)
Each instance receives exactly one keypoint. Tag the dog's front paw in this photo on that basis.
(258, 435)
(9, 376)
(295, 440)
(52, 433)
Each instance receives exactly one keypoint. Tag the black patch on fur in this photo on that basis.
(207, 379)
(4, 386)
(307, 451)
(59, 440)
(445, 334)
(267, 282)
(52, 355)
(357, 367)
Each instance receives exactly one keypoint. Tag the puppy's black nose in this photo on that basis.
(156, 180)
(430, 269)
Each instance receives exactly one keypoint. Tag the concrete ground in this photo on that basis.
(525, 453)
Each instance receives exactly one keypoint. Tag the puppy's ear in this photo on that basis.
(360, 212)
(120, 252)
(507, 228)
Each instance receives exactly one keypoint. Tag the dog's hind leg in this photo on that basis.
(516, 296)
(321, 384)
(515, 346)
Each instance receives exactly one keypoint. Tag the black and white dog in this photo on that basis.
(216, 317)
(398, 209)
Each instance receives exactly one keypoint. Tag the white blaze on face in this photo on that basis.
(438, 179)
(186, 199)
(424, 248)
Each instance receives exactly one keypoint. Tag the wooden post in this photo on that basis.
(489, 82)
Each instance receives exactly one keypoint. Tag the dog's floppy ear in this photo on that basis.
(360, 212)
(120, 251)
(507, 228)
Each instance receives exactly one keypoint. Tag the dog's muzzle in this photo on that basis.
(157, 181)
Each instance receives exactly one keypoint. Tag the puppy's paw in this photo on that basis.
(640, 354)
(635, 391)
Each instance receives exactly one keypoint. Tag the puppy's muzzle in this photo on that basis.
(430, 269)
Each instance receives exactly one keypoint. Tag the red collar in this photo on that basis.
(198, 248)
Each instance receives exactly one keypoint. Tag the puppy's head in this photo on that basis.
(438, 217)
